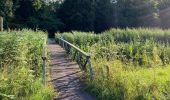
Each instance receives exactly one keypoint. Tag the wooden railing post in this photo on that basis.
(44, 58)
(78, 57)
(74, 56)
(59, 41)
(63, 44)
(1, 23)
(90, 68)
(84, 66)
(66, 47)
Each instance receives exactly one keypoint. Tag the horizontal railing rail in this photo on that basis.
(82, 59)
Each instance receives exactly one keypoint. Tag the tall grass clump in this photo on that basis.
(21, 66)
(129, 64)
(127, 35)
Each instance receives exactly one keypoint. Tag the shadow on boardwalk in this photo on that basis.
(65, 75)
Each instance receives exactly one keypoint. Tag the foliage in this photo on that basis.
(129, 64)
(6, 7)
(77, 15)
(21, 66)
(34, 14)
(128, 35)
(87, 15)
(103, 15)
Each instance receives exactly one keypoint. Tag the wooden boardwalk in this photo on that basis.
(65, 75)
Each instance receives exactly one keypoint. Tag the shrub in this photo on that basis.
(21, 66)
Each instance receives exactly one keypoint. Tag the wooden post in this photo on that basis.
(90, 68)
(84, 66)
(108, 71)
(66, 48)
(44, 71)
(1, 23)
(63, 44)
(44, 58)
(59, 41)
(74, 56)
(78, 58)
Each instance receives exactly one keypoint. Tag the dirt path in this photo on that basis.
(65, 75)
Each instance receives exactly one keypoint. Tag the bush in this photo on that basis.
(21, 66)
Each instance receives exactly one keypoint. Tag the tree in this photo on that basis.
(1, 23)
(47, 20)
(36, 14)
(77, 15)
(24, 10)
(134, 13)
(5, 11)
(147, 12)
(128, 12)
(103, 15)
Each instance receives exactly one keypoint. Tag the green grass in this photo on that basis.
(127, 35)
(129, 64)
(21, 66)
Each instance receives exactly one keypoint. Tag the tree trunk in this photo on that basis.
(1, 23)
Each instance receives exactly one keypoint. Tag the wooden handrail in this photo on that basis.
(65, 43)
(79, 50)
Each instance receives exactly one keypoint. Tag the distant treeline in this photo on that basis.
(84, 15)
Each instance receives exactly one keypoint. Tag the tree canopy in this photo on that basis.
(84, 15)
(6, 7)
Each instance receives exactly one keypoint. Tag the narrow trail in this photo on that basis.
(65, 75)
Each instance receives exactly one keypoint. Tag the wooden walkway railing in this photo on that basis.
(82, 59)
